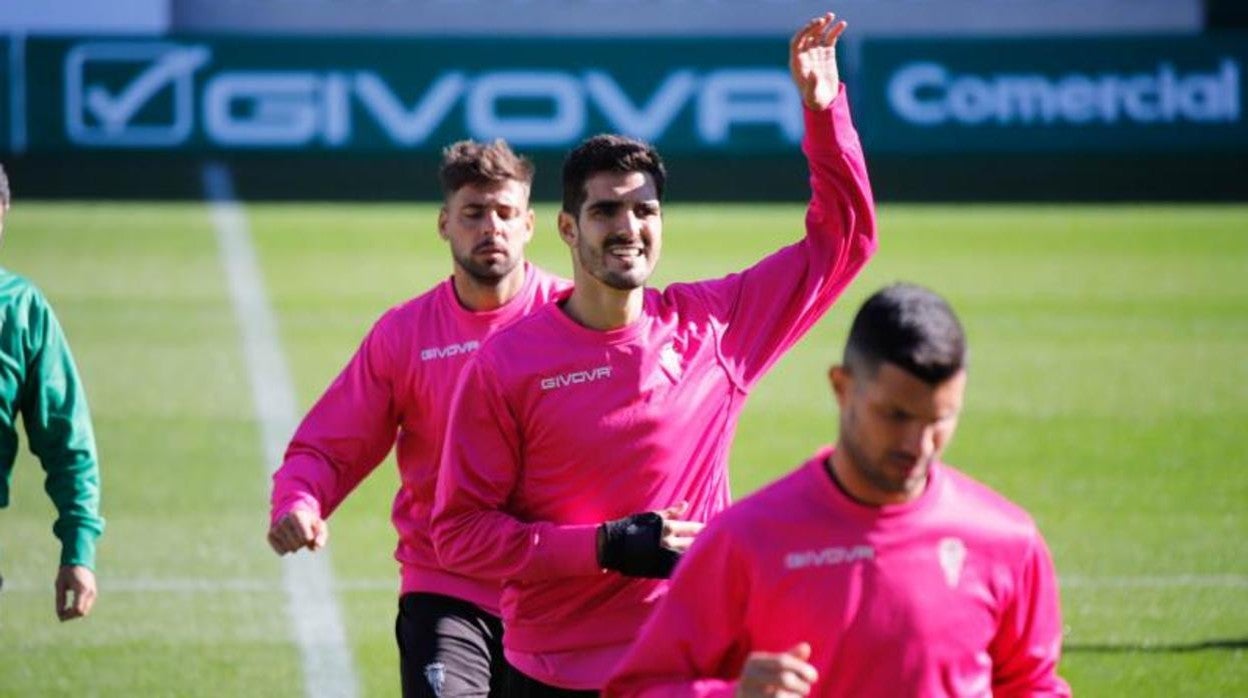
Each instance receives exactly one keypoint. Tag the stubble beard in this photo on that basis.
(595, 262)
(487, 274)
(873, 472)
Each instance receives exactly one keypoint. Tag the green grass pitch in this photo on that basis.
(1108, 395)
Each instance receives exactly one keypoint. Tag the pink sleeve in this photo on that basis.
(472, 532)
(771, 305)
(345, 435)
(694, 643)
(1028, 644)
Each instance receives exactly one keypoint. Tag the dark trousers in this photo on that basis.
(448, 648)
(520, 685)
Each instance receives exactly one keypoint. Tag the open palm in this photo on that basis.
(812, 60)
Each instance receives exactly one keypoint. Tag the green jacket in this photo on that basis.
(38, 379)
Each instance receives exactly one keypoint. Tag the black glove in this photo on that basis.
(633, 547)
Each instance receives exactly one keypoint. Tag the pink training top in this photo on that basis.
(952, 594)
(397, 389)
(558, 428)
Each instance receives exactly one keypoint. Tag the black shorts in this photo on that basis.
(448, 648)
(521, 685)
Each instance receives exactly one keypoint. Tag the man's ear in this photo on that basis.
(442, 216)
(530, 222)
(842, 383)
(567, 228)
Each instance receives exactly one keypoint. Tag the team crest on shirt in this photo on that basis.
(952, 555)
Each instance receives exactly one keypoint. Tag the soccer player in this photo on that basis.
(589, 441)
(39, 381)
(397, 390)
(874, 569)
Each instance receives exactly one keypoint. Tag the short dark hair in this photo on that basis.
(608, 153)
(908, 326)
(482, 164)
(5, 196)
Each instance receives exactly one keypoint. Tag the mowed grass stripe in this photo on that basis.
(139, 290)
(1107, 395)
(1093, 331)
(328, 669)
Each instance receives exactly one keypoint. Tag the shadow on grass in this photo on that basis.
(1156, 648)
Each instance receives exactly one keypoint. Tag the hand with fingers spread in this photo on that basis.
(299, 528)
(785, 674)
(75, 592)
(646, 545)
(812, 61)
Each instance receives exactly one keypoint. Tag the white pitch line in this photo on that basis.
(328, 669)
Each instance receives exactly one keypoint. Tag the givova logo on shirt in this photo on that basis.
(574, 377)
(430, 353)
(833, 555)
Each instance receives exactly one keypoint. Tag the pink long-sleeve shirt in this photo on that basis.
(397, 390)
(557, 428)
(952, 594)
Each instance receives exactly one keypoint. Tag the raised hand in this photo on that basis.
(812, 61)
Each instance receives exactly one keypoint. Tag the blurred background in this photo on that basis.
(955, 99)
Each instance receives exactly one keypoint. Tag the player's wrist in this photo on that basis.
(633, 546)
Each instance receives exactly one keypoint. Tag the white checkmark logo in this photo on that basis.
(101, 113)
(115, 111)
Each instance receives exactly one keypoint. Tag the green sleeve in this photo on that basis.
(58, 425)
